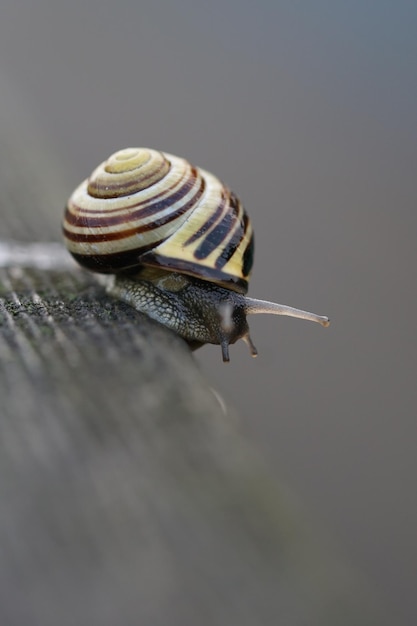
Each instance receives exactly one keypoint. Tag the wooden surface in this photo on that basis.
(128, 494)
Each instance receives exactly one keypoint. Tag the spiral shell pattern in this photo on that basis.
(142, 207)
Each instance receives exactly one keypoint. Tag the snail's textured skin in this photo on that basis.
(200, 312)
(149, 208)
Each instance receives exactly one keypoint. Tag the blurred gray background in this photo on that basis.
(309, 112)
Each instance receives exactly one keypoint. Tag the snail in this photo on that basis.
(178, 242)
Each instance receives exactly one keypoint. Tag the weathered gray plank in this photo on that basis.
(127, 495)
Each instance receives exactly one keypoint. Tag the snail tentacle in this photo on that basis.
(254, 306)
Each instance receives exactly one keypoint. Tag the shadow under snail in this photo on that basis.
(178, 241)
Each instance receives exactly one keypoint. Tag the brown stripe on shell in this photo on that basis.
(234, 243)
(248, 255)
(208, 223)
(111, 263)
(100, 237)
(88, 218)
(221, 231)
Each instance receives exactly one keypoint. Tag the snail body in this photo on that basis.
(178, 241)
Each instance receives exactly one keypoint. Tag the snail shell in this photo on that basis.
(150, 208)
(178, 241)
